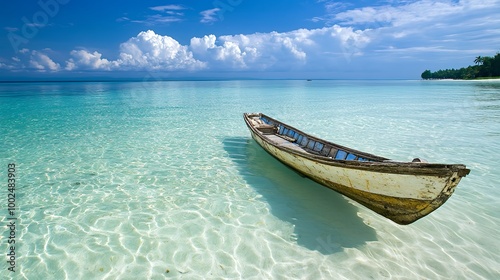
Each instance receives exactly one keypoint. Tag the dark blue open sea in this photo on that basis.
(152, 180)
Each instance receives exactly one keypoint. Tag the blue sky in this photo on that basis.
(390, 39)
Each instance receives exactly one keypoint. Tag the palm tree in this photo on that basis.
(479, 60)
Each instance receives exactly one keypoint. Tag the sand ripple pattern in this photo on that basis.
(161, 180)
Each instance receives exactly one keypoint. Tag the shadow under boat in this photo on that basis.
(324, 220)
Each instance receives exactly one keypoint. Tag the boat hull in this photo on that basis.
(401, 193)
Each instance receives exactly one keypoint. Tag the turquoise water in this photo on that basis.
(152, 180)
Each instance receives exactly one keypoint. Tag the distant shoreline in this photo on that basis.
(485, 79)
(187, 80)
(219, 80)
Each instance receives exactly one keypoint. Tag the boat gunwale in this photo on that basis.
(383, 165)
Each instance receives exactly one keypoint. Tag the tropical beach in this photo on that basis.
(124, 153)
(486, 68)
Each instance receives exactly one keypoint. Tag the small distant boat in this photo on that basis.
(400, 191)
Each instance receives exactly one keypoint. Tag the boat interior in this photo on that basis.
(301, 141)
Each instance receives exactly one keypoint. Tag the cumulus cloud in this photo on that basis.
(147, 51)
(228, 54)
(84, 60)
(32, 60)
(298, 49)
(152, 51)
(42, 62)
(393, 33)
(302, 49)
(280, 51)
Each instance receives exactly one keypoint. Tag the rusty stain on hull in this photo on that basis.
(401, 191)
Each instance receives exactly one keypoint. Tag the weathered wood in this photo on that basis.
(401, 191)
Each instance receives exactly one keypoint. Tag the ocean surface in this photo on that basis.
(155, 180)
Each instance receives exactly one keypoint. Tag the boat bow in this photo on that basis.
(401, 191)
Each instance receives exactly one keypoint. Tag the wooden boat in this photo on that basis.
(401, 191)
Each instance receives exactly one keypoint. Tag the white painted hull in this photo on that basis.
(403, 196)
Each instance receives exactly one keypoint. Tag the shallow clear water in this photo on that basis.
(161, 179)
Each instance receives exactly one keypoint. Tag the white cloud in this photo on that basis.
(229, 54)
(121, 19)
(208, 16)
(406, 35)
(408, 12)
(173, 14)
(84, 60)
(422, 30)
(302, 49)
(18, 62)
(167, 7)
(156, 52)
(147, 51)
(158, 19)
(299, 49)
(41, 62)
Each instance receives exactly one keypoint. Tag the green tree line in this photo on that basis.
(485, 66)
